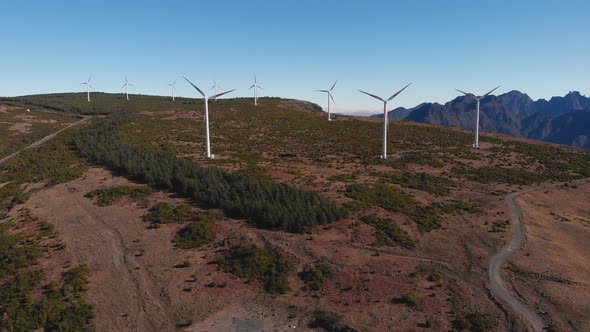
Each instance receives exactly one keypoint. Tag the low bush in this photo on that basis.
(195, 235)
(328, 321)
(388, 234)
(315, 276)
(107, 196)
(394, 200)
(253, 262)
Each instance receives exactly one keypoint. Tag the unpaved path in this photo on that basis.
(499, 290)
(124, 295)
(46, 138)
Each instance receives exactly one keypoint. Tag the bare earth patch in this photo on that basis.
(134, 284)
(553, 270)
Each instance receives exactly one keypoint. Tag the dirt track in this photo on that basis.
(46, 138)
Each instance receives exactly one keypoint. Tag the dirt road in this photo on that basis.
(499, 290)
(46, 138)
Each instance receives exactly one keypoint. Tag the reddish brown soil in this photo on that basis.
(134, 284)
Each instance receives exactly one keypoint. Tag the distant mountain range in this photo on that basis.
(563, 120)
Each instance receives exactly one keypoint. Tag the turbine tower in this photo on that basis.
(476, 140)
(385, 117)
(173, 86)
(329, 92)
(256, 87)
(126, 85)
(206, 101)
(215, 87)
(88, 86)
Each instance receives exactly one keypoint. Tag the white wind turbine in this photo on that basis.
(256, 87)
(88, 86)
(126, 85)
(206, 101)
(173, 86)
(476, 141)
(329, 92)
(385, 117)
(215, 87)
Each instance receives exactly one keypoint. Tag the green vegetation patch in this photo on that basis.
(253, 262)
(435, 185)
(456, 206)
(497, 174)
(475, 321)
(388, 234)
(194, 235)
(106, 196)
(53, 162)
(394, 200)
(61, 307)
(329, 322)
(165, 213)
(264, 203)
(314, 276)
(15, 255)
(408, 299)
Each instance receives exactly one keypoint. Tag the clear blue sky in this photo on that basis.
(297, 46)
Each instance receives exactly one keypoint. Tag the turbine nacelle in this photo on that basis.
(385, 116)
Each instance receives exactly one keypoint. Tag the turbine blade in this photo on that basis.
(372, 95)
(223, 93)
(194, 86)
(487, 94)
(90, 77)
(131, 84)
(258, 86)
(90, 85)
(332, 98)
(397, 93)
(465, 93)
(251, 87)
(332, 88)
(123, 85)
(323, 91)
(125, 78)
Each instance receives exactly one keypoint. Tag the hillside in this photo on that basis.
(296, 222)
(562, 120)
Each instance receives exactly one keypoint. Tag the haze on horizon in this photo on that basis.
(296, 47)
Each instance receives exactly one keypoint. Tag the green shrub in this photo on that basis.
(164, 213)
(107, 196)
(435, 185)
(195, 235)
(474, 321)
(253, 262)
(14, 256)
(394, 200)
(388, 234)
(408, 299)
(315, 276)
(328, 321)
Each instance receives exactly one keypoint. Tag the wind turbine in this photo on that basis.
(126, 85)
(215, 87)
(88, 86)
(172, 85)
(476, 141)
(206, 101)
(385, 117)
(256, 87)
(329, 92)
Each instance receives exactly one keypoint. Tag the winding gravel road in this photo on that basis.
(46, 138)
(499, 290)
